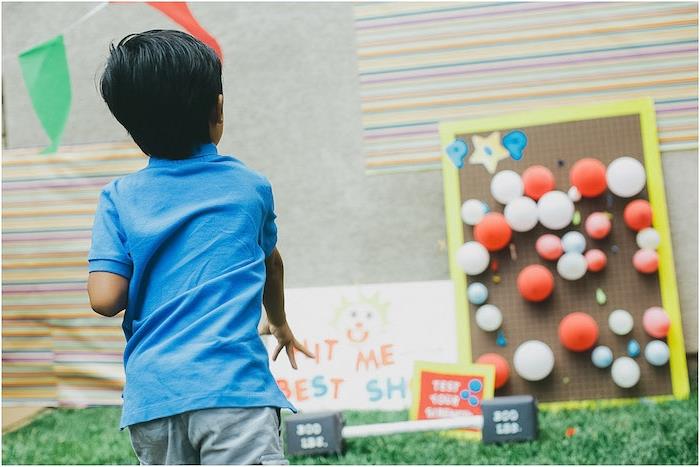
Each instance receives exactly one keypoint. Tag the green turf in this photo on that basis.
(639, 434)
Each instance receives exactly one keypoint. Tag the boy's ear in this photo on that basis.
(218, 112)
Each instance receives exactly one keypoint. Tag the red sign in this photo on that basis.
(444, 395)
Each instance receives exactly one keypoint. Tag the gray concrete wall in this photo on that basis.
(292, 111)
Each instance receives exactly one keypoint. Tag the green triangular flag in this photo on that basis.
(45, 72)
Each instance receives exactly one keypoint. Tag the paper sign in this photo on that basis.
(366, 340)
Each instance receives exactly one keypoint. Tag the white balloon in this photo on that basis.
(473, 210)
(555, 210)
(574, 194)
(533, 360)
(521, 214)
(473, 258)
(620, 322)
(572, 266)
(625, 372)
(648, 238)
(506, 185)
(657, 353)
(626, 176)
(573, 242)
(489, 317)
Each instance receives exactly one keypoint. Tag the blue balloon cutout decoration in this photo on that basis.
(464, 395)
(633, 349)
(475, 385)
(515, 143)
(457, 151)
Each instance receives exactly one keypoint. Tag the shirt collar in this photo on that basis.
(204, 152)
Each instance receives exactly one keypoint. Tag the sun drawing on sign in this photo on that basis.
(357, 319)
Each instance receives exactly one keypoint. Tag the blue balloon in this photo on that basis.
(573, 242)
(457, 151)
(602, 356)
(477, 293)
(515, 143)
(633, 349)
(464, 394)
(473, 401)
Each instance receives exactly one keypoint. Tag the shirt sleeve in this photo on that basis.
(267, 238)
(108, 252)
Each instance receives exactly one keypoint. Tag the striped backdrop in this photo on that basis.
(422, 63)
(55, 349)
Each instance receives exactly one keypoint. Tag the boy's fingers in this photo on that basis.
(303, 349)
(277, 352)
(290, 354)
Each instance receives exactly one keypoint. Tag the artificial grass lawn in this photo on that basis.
(638, 434)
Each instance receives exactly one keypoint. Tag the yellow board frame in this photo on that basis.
(487, 372)
(657, 198)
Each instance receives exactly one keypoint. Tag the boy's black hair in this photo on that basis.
(162, 86)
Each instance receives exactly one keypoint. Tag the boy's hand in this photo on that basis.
(286, 340)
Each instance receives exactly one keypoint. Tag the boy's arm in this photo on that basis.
(108, 292)
(273, 294)
(109, 260)
(273, 300)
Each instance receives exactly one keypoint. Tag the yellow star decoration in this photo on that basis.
(488, 151)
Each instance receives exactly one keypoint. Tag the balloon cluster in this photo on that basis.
(624, 177)
(533, 199)
(578, 332)
(568, 252)
(638, 217)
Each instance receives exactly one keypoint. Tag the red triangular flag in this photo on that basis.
(181, 14)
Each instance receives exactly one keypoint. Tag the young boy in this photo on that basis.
(187, 247)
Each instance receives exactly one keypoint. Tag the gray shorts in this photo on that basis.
(220, 436)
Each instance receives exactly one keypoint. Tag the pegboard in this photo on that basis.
(557, 145)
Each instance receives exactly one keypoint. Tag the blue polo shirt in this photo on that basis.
(191, 236)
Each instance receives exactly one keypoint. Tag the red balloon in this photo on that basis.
(493, 231)
(549, 247)
(578, 332)
(656, 322)
(535, 283)
(646, 261)
(588, 175)
(637, 215)
(537, 180)
(596, 259)
(598, 225)
(501, 364)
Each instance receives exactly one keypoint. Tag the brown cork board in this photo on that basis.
(557, 146)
